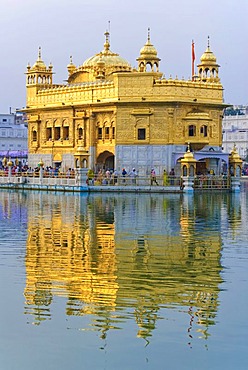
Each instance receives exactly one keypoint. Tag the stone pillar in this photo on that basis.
(92, 141)
(188, 183)
(81, 176)
(188, 171)
(41, 172)
(235, 184)
(9, 170)
(235, 168)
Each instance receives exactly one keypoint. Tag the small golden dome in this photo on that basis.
(208, 57)
(39, 64)
(234, 156)
(71, 67)
(188, 156)
(101, 62)
(148, 49)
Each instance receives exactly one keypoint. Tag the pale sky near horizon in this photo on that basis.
(76, 27)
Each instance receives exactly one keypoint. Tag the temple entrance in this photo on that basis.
(105, 160)
(201, 168)
(57, 160)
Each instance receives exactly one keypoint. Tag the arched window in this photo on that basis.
(99, 133)
(191, 170)
(106, 132)
(204, 130)
(34, 135)
(149, 67)
(192, 130)
(142, 67)
(80, 133)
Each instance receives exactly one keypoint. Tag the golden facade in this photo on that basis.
(110, 115)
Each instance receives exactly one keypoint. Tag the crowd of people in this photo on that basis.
(102, 177)
(25, 170)
(113, 177)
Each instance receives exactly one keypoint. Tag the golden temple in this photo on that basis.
(110, 115)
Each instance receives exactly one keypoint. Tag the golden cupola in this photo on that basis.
(101, 65)
(208, 69)
(39, 73)
(113, 61)
(39, 65)
(148, 57)
(71, 67)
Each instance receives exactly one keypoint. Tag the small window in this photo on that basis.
(80, 133)
(57, 133)
(141, 133)
(113, 132)
(192, 130)
(204, 130)
(49, 133)
(66, 133)
(99, 133)
(34, 138)
(106, 132)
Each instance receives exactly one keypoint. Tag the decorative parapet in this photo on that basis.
(193, 90)
(129, 87)
(73, 94)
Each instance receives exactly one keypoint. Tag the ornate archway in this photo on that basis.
(105, 160)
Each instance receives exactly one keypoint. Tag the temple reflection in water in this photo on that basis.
(125, 257)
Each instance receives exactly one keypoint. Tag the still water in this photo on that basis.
(123, 281)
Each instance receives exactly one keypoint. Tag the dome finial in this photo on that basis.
(106, 44)
(208, 42)
(148, 34)
(39, 53)
(71, 67)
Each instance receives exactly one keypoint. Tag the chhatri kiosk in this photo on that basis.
(108, 115)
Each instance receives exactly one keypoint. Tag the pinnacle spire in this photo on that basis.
(39, 53)
(106, 44)
(148, 35)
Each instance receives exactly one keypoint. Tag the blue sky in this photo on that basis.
(76, 27)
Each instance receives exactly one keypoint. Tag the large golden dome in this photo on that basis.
(113, 62)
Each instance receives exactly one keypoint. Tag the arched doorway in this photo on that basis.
(57, 160)
(105, 160)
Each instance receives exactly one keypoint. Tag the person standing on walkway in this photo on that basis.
(124, 174)
(165, 178)
(172, 176)
(133, 175)
(153, 177)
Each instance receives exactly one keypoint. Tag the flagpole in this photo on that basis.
(193, 59)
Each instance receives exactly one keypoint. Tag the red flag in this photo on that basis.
(193, 51)
(193, 59)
